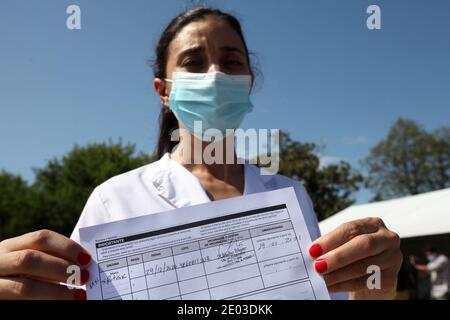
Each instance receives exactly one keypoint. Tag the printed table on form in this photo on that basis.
(253, 253)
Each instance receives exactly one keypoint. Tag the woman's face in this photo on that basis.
(209, 45)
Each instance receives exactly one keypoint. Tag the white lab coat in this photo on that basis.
(165, 185)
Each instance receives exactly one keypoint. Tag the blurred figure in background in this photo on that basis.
(438, 269)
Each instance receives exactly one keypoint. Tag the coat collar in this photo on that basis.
(180, 188)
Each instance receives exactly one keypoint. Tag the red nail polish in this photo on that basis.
(315, 250)
(80, 295)
(321, 266)
(84, 258)
(84, 276)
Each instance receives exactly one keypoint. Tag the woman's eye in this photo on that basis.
(192, 63)
(234, 63)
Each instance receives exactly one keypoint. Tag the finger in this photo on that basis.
(388, 281)
(386, 260)
(357, 249)
(29, 289)
(37, 264)
(343, 234)
(49, 242)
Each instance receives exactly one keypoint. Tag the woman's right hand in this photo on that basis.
(33, 265)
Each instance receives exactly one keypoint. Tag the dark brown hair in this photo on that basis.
(167, 120)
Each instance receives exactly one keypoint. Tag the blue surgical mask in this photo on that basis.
(431, 258)
(220, 101)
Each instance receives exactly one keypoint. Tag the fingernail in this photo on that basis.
(315, 250)
(80, 295)
(84, 276)
(320, 265)
(84, 258)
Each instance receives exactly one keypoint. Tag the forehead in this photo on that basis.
(210, 32)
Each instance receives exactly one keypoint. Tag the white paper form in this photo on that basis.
(249, 247)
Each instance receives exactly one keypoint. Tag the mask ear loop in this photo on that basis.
(170, 81)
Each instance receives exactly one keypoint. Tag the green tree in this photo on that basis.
(440, 159)
(330, 187)
(409, 161)
(17, 205)
(64, 185)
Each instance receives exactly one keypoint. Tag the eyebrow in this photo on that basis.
(191, 50)
(232, 49)
(197, 49)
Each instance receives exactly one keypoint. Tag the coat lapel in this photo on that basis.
(177, 185)
(180, 188)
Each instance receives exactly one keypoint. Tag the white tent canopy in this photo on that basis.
(420, 215)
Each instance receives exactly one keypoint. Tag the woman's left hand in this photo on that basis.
(344, 256)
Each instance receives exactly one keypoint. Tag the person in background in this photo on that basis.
(438, 269)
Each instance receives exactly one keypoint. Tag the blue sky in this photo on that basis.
(327, 78)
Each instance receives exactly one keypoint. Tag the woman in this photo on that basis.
(201, 58)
